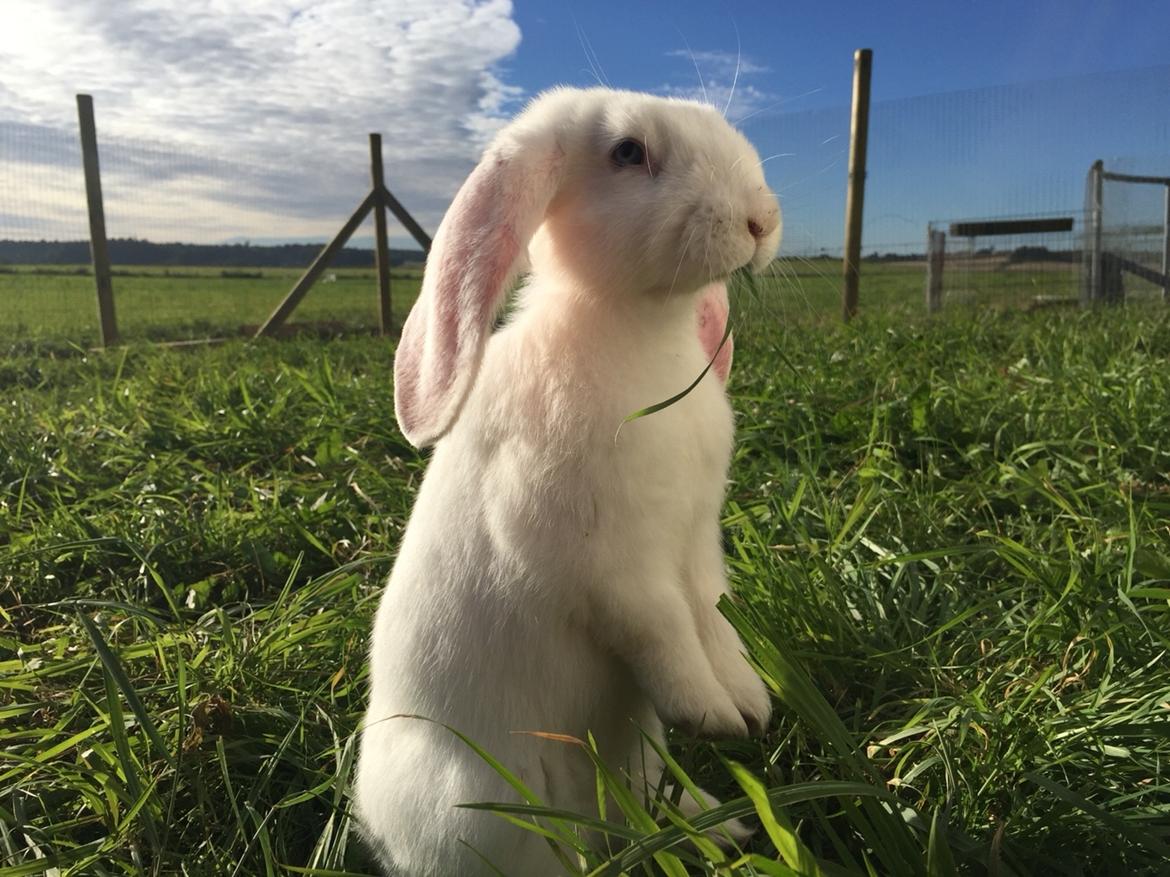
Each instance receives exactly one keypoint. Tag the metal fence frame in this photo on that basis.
(1105, 271)
(936, 249)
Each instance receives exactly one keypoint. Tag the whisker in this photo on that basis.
(682, 258)
(698, 72)
(707, 250)
(590, 55)
(662, 226)
(773, 106)
(645, 254)
(735, 78)
(832, 164)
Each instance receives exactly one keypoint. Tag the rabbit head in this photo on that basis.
(619, 194)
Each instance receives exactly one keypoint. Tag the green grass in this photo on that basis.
(51, 303)
(950, 538)
(42, 304)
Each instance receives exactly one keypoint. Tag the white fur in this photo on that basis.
(554, 578)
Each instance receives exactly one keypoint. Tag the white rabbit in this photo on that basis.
(557, 575)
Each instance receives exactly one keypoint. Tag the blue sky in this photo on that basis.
(223, 121)
(921, 47)
(946, 141)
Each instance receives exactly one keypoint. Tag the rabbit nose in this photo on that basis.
(760, 225)
(760, 230)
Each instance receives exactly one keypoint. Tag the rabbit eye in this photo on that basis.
(628, 153)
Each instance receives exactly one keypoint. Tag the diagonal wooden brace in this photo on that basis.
(315, 270)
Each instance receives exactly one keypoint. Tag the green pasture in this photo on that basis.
(58, 303)
(949, 539)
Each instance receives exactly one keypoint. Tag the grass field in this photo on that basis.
(52, 304)
(950, 539)
(57, 303)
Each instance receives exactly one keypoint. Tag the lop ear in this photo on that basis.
(474, 257)
(713, 312)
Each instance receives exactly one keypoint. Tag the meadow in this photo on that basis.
(948, 539)
(54, 303)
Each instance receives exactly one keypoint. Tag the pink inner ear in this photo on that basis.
(473, 257)
(713, 311)
(444, 335)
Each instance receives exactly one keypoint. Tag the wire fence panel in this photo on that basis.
(208, 244)
(1134, 217)
(45, 290)
(188, 257)
(983, 266)
(201, 245)
(1019, 150)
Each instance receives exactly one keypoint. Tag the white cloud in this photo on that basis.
(721, 79)
(220, 119)
(720, 63)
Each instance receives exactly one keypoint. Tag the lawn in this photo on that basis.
(950, 540)
(56, 303)
(41, 303)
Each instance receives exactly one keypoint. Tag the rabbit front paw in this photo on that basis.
(751, 697)
(745, 687)
(702, 712)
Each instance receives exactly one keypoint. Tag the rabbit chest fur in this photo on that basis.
(523, 545)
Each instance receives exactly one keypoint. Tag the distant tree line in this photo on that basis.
(1043, 254)
(129, 251)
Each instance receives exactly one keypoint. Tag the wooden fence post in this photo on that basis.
(855, 199)
(1166, 248)
(379, 200)
(1096, 191)
(935, 256)
(98, 248)
(381, 247)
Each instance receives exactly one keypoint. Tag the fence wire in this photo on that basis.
(1134, 223)
(43, 290)
(206, 243)
(182, 226)
(1007, 151)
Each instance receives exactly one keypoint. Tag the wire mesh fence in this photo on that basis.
(1014, 151)
(1127, 238)
(205, 242)
(42, 198)
(182, 229)
(1013, 262)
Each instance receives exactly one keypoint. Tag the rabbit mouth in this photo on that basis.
(732, 244)
(755, 262)
(760, 260)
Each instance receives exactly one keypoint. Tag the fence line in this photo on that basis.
(1108, 264)
(378, 200)
(1001, 152)
(170, 291)
(1020, 261)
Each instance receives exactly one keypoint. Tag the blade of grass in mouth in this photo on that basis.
(666, 403)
